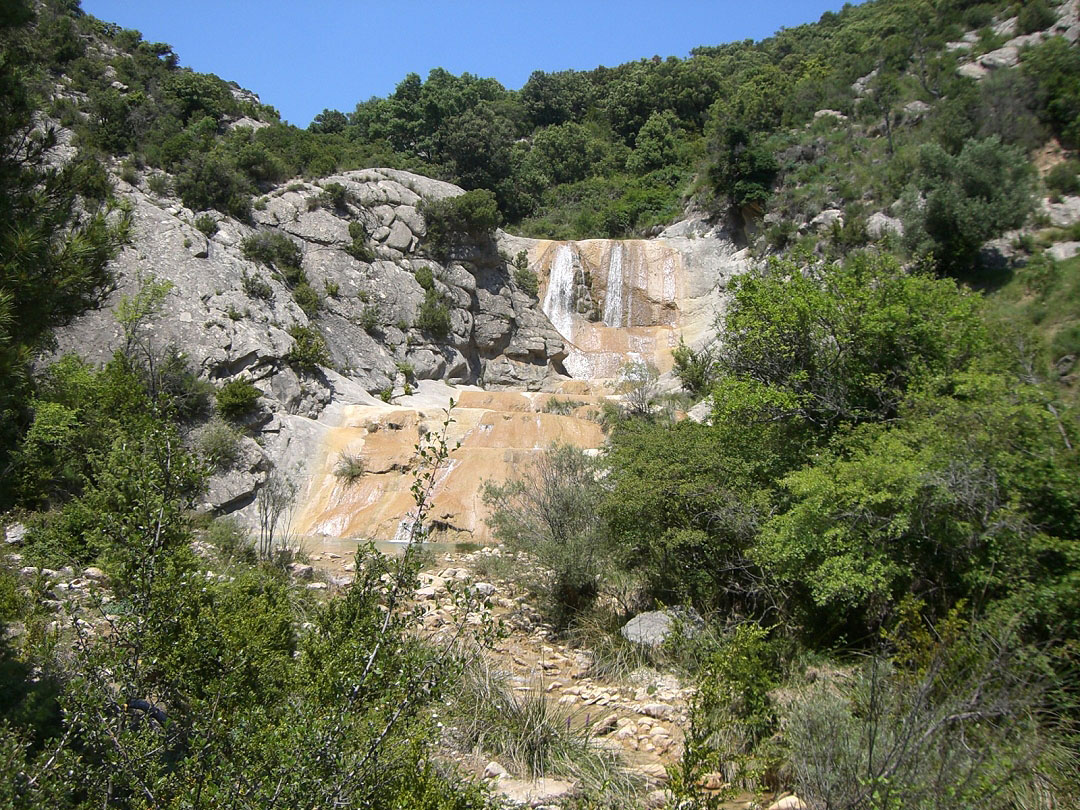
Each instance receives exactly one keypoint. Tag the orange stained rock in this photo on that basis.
(496, 445)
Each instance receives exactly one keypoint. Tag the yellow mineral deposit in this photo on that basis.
(612, 301)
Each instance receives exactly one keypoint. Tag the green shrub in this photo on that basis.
(11, 600)
(433, 316)
(369, 318)
(696, 370)
(306, 298)
(386, 394)
(212, 182)
(1034, 16)
(333, 289)
(174, 378)
(1066, 342)
(309, 350)
(206, 224)
(1062, 179)
(237, 398)
(969, 198)
(453, 221)
(129, 173)
(219, 444)
(273, 249)
(361, 251)
(359, 248)
(335, 195)
(553, 514)
(231, 539)
(256, 287)
(425, 278)
(524, 277)
(160, 185)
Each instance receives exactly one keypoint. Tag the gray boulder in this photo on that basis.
(653, 627)
(826, 219)
(879, 225)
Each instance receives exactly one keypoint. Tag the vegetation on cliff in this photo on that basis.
(879, 520)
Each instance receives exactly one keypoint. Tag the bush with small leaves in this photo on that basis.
(452, 221)
(306, 298)
(425, 278)
(213, 182)
(1034, 16)
(129, 173)
(335, 195)
(359, 249)
(273, 249)
(369, 318)
(219, 444)
(206, 224)
(524, 277)
(159, 184)
(237, 398)
(231, 539)
(433, 316)
(1063, 179)
(256, 287)
(695, 369)
(308, 351)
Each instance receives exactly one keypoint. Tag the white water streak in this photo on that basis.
(613, 296)
(559, 299)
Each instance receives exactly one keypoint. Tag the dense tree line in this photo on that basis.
(883, 481)
(170, 686)
(609, 151)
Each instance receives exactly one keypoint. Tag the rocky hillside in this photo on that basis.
(357, 243)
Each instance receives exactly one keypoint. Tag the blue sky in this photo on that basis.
(302, 57)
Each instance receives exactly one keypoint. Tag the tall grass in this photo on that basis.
(537, 737)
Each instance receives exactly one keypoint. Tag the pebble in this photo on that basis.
(713, 781)
(660, 711)
(627, 732)
(606, 725)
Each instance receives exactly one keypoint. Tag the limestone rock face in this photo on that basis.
(367, 308)
(230, 316)
(601, 303)
(1067, 25)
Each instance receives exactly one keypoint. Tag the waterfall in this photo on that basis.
(613, 296)
(559, 299)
